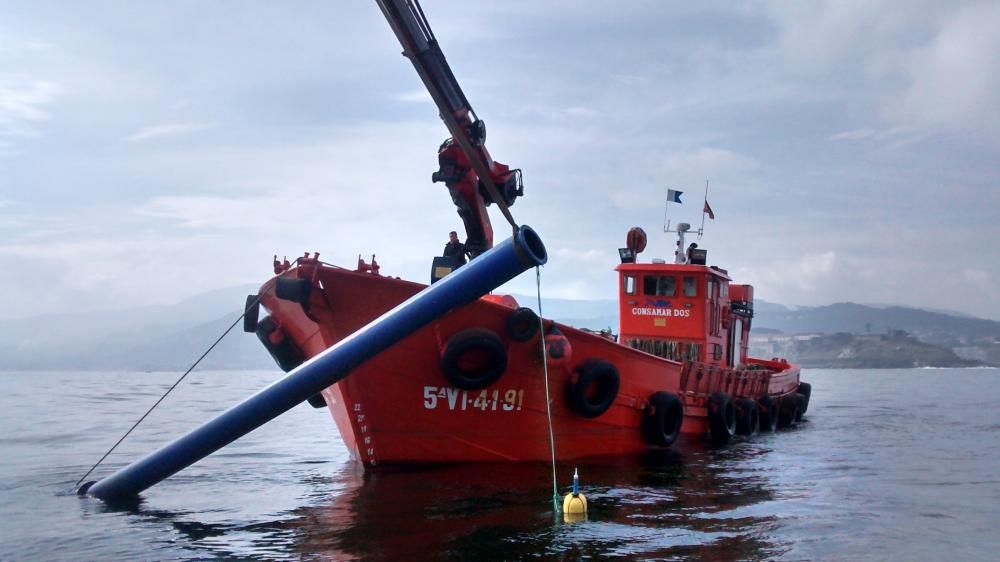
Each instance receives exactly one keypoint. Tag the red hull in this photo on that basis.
(399, 408)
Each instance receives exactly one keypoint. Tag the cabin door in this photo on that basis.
(735, 327)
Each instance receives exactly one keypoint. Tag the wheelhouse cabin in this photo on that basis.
(684, 312)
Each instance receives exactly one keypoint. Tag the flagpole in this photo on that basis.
(666, 207)
(674, 196)
(701, 230)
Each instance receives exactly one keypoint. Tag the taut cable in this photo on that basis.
(169, 390)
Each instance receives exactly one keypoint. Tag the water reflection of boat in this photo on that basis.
(664, 506)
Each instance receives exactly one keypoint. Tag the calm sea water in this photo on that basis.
(898, 464)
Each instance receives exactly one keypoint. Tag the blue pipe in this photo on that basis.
(466, 284)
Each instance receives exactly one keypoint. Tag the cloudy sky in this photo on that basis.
(150, 151)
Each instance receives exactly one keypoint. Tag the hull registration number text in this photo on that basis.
(509, 400)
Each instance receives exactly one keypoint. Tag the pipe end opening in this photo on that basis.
(531, 248)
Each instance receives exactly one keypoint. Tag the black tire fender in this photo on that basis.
(747, 417)
(522, 324)
(251, 313)
(293, 289)
(790, 411)
(805, 389)
(721, 418)
(284, 353)
(767, 410)
(491, 366)
(595, 389)
(662, 419)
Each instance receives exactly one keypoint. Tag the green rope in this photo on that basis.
(548, 402)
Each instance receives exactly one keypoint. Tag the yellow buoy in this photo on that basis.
(575, 503)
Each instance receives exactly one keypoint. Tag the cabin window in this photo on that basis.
(692, 352)
(649, 285)
(690, 287)
(630, 284)
(716, 351)
(661, 286)
(667, 286)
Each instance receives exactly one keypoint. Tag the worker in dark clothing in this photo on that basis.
(693, 246)
(454, 250)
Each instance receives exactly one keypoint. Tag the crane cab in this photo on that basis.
(684, 312)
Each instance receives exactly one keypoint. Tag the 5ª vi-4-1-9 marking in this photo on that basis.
(496, 400)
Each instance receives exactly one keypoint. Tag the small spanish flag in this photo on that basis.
(708, 210)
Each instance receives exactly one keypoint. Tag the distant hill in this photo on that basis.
(171, 337)
(166, 337)
(895, 349)
(928, 326)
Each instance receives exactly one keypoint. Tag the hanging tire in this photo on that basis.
(474, 359)
(279, 345)
(522, 324)
(805, 389)
(251, 313)
(595, 389)
(661, 422)
(747, 417)
(292, 289)
(767, 411)
(802, 407)
(790, 410)
(284, 352)
(721, 418)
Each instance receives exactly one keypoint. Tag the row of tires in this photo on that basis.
(590, 394)
(661, 424)
(476, 358)
(744, 416)
(595, 388)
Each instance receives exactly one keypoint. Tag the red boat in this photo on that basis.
(472, 386)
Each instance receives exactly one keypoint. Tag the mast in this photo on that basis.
(680, 254)
(703, 206)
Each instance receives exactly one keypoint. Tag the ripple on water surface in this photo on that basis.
(891, 464)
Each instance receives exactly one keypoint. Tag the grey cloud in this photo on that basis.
(926, 66)
(841, 167)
